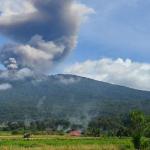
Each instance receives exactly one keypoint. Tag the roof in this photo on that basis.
(75, 133)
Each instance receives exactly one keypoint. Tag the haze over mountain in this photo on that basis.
(67, 96)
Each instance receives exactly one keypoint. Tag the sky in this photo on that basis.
(113, 44)
(119, 28)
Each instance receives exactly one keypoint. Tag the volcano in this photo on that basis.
(67, 96)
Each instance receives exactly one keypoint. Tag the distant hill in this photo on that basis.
(68, 96)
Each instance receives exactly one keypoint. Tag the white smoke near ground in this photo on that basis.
(122, 72)
(42, 32)
(5, 86)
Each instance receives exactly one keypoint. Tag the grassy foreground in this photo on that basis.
(93, 147)
(8, 142)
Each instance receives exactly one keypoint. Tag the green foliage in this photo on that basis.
(137, 127)
(137, 141)
(16, 132)
(147, 128)
(137, 123)
(108, 126)
(145, 144)
(95, 132)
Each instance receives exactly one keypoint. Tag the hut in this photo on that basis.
(75, 133)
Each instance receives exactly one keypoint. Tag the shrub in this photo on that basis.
(145, 144)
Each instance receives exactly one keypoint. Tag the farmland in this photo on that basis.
(53, 142)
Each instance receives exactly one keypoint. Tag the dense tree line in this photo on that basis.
(99, 126)
(120, 127)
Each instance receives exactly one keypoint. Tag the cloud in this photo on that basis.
(67, 81)
(43, 34)
(5, 86)
(119, 71)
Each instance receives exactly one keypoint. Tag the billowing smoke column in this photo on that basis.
(41, 36)
(11, 64)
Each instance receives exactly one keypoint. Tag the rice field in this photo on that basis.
(49, 142)
(110, 147)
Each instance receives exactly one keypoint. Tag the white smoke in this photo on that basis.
(11, 64)
(68, 81)
(5, 86)
(16, 74)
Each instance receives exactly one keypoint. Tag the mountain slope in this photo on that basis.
(68, 96)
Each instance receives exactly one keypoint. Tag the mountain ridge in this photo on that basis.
(68, 96)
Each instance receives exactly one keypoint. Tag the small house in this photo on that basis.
(75, 133)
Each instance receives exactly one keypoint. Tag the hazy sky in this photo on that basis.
(113, 44)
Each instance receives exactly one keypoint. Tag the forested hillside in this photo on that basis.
(68, 97)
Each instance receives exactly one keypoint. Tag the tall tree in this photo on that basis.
(137, 127)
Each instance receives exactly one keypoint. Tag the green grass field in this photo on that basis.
(45, 142)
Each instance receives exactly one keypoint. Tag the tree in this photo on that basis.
(93, 132)
(137, 119)
(147, 129)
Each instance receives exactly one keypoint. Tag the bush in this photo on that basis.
(15, 132)
(147, 131)
(137, 141)
(145, 144)
(93, 132)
